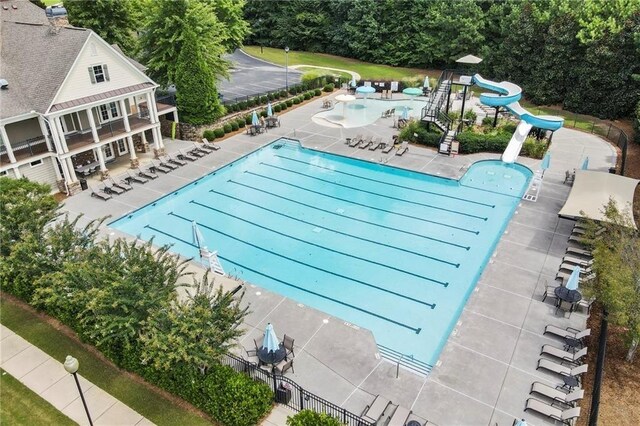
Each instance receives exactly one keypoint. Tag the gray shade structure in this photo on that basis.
(469, 59)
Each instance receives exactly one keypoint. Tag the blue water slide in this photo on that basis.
(507, 95)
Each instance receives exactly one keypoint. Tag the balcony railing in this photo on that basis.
(111, 129)
(24, 149)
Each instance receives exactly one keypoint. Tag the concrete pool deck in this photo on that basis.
(489, 361)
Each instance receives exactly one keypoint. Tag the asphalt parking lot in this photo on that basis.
(250, 76)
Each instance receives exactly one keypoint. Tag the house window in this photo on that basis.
(3, 173)
(109, 112)
(98, 73)
(35, 163)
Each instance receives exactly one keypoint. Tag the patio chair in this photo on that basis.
(377, 144)
(355, 141)
(133, 178)
(100, 194)
(584, 269)
(166, 165)
(148, 174)
(209, 146)
(564, 416)
(399, 417)
(570, 399)
(569, 177)
(175, 161)
(586, 304)
(365, 143)
(287, 342)
(110, 189)
(570, 332)
(583, 276)
(571, 357)
(374, 412)
(560, 369)
(577, 261)
(549, 291)
(580, 251)
(121, 184)
(403, 148)
(388, 147)
(182, 156)
(284, 365)
(347, 141)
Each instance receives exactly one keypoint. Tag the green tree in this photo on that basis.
(113, 20)
(163, 39)
(311, 418)
(616, 261)
(233, 27)
(25, 208)
(196, 332)
(197, 97)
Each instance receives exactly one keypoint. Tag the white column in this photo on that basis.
(103, 166)
(72, 171)
(157, 130)
(175, 116)
(157, 141)
(56, 170)
(65, 170)
(143, 135)
(5, 141)
(132, 148)
(125, 117)
(92, 124)
(16, 171)
(63, 140)
(45, 133)
(151, 105)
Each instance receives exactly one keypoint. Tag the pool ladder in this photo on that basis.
(406, 361)
(213, 262)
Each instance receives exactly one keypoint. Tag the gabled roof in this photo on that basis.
(35, 59)
(135, 63)
(22, 11)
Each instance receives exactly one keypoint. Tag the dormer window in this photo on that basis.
(99, 73)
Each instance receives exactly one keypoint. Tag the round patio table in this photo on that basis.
(570, 381)
(272, 357)
(571, 296)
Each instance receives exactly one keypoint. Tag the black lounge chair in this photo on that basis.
(121, 184)
(388, 147)
(365, 143)
(133, 178)
(148, 174)
(175, 161)
(100, 194)
(565, 416)
(403, 148)
(377, 144)
(110, 189)
(355, 141)
(162, 167)
(182, 156)
(166, 164)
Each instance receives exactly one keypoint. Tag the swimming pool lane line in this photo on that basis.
(348, 305)
(360, 204)
(457, 265)
(424, 191)
(467, 248)
(431, 305)
(375, 193)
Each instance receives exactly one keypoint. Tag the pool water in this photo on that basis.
(362, 112)
(390, 250)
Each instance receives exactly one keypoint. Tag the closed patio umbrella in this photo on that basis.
(574, 279)
(254, 119)
(585, 164)
(269, 110)
(270, 341)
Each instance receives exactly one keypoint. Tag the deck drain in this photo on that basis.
(317, 230)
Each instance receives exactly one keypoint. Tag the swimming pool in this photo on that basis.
(390, 250)
(362, 112)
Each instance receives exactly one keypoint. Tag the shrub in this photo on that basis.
(263, 113)
(247, 119)
(227, 128)
(306, 96)
(471, 142)
(508, 127)
(289, 102)
(317, 92)
(208, 134)
(270, 96)
(296, 100)
(293, 90)
(282, 105)
(219, 132)
(251, 103)
(416, 132)
(240, 122)
(229, 108)
(454, 115)
(242, 105)
(471, 116)
(283, 93)
(534, 148)
(263, 99)
(311, 418)
(276, 108)
(234, 125)
(328, 87)
(487, 121)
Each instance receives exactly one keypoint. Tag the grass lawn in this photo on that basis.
(150, 402)
(318, 72)
(365, 69)
(21, 406)
(51, 2)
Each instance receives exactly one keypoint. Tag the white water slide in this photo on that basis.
(508, 95)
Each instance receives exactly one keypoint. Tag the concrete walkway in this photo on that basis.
(47, 377)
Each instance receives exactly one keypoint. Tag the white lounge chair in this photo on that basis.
(564, 416)
(388, 147)
(585, 262)
(580, 251)
(563, 370)
(570, 332)
(209, 145)
(374, 412)
(564, 355)
(556, 394)
(399, 417)
(403, 148)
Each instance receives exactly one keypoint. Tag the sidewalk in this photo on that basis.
(47, 377)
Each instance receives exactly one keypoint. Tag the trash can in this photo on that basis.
(612, 170)
(83, 184)
(283, 396)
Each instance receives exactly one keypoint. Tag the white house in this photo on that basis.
(69, 102)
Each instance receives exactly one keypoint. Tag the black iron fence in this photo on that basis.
(289, 393)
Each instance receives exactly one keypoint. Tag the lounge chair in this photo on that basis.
(583, 277)
(577, 261)
(182, 156)
(569, 177)
(373, 412)
(166, 164)
(403, 148)
(355, 141)
(549, 291)
(287, 342)
(148, 174)
(356, 138)
(377, 144)
(365, 143)
(175, 161)
(161, 167)
(564, 416)
(586, 304)
(133, 178)
(121, 184)
(100, 194)
(284, 365)
(570, 332)
(399, 417)
(388, 147)
(571, 357)
(569, 399)
(580, 251)
(209, 146)
(110, 189)
(584, 269)
(563, 370)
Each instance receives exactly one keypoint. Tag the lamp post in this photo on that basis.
(71, 365)
(286, 67)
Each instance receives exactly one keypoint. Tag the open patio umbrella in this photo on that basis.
(585, 164)
(574, 279)
(270, 341)
(254, 119)
(520, 423)
(269, 110)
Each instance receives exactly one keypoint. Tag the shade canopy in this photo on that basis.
(574, 279)
(269, 110)
(270, 341)
(365, 89)
(469, 59)
(345, 98)
(412, 91)
(254, 119)
(591, 192)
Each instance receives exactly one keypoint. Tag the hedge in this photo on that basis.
(234, 126)
(208, 135)
(534, 148)
(307, 96)
(317, 92)
(424, 136)
(247, 119)
(289, 102)
(263, 99)
(240, 122)
(219, 132)
(283, 106)
(227, 128)
(311, 418)
(296, 100)
(471, 142)
(328, 87)
(277, 108)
